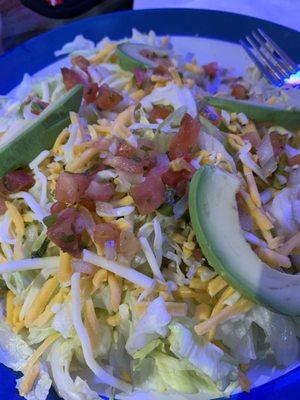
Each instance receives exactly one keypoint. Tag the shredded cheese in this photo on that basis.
(9, 307)
(91, 322)
(216, 285)
(47, 314)
(41, 300)
(242, 306)
(115, 292)
(175, 309)
(65, 267)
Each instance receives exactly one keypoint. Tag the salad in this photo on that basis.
(115, 278)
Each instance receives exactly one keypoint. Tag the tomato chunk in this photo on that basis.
(107, 98)
(17, 180)
(71, 187)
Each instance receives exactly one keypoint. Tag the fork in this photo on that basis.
(270, 59)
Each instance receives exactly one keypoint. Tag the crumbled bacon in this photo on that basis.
(17, 180)
(239, 91)
(211, 69)
(72, 78)
(159, 112)
(185, 143)
(99, 191)
(124, 164)
(81, 62)
(105, 232)
(70, 188)
(63, 232)
(107, 98)
(90, 92)
(129, 244)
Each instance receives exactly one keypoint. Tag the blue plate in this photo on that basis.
(39, 52)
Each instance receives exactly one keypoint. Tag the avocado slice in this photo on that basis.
(258, 112)
(41, 133)
(215, 219)
(130, 57)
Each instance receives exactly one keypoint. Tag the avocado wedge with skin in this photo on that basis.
(41, 133)
(215, 219)
(130, 57)
(258, 112)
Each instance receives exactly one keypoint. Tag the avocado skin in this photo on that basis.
(41, 134)
(257, 112)
(277, 291)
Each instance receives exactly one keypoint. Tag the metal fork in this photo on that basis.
(269, 58)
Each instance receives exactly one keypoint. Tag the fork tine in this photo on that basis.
(267, 73)
(277, 63)
(275, 48)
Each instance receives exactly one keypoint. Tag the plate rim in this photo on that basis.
(285, 385)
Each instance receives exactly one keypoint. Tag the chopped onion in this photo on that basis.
(246, 159)
(107, 210)
(266, 158)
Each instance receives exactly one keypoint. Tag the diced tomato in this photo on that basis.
(294, 160)
(253, 137)
(125, 164)
(37, 106)
(129, 245)
(17, 180)
(159, 112)
(163, 65)
(125, 150)
(100, 191)
(105, 232)
(197, 254)
(149, 195)
(239, 91)
(178, 180)
(72, 78)
(71, 187)
(81, 62)
(90, 93)
(63, 231)
(57, 207)
(107, 98)
(185, 142)
(140, 75)
(162, 165)
(211, 69)
(278, 143)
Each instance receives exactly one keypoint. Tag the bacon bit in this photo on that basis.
(211, 69)
(159, 112)
(125, 150)
(17, 180)
(105, 232)
(129, 244)
(197, 254)
(107, 98)
(149, 195)
(63, 232)
(57, 207)
(239, 91)
(90, 93)
(125, 164)
(70, 188)
(72, 78)
(186, 140)
(100, 191)
(140, 75)
(3, 207)
(88, 204)
(294, 160)
(81, 62)
(277, 143)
